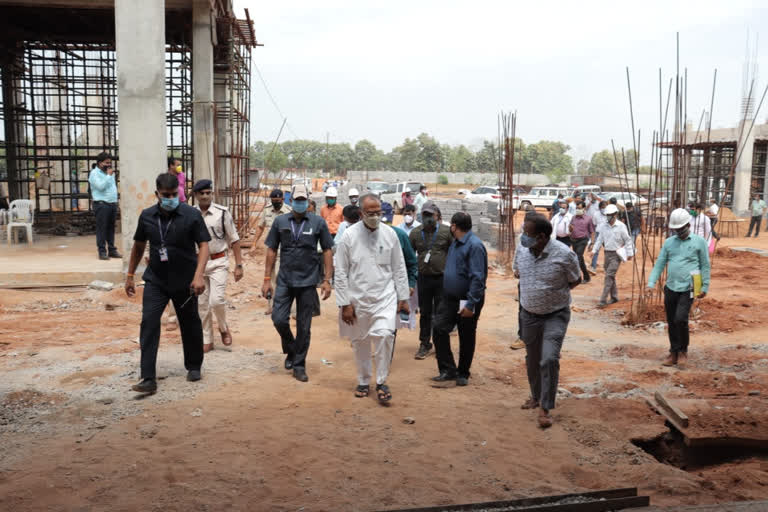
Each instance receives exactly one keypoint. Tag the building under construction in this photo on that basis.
(140, 79)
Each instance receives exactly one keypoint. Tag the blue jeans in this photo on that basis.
(635, 232)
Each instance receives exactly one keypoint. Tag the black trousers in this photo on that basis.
(713, 221)
(430, 294)
(447, 317)
(579, 246)
(306, 302)
(678, 307)
(155, 300)
(564, 240)
(106, 215)
(754, 222)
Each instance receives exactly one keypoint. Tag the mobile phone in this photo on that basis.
(404, 316)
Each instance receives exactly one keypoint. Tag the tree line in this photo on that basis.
(425, 154)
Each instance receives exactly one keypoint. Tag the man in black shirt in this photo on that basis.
(296, 235)
(431, 241)
(175, 272)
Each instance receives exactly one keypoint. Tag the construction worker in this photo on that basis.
(354, 196)
(332, 212)
(685, 255)
(221, 227)
(268, 216)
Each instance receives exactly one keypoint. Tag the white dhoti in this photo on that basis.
(383, 348)
(213, 301)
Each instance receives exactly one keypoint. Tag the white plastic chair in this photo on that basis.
(21, 215)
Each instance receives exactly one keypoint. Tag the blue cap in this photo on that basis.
(202, 185)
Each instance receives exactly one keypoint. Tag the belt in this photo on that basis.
(546, 315)
(218, 255)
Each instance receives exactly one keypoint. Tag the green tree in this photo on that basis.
(430, 157)
(603, 163)
(276, 160)
(442, 179)
(550, 158)
(367, 157)
(486, 159)
(406, 155)
(459, 159)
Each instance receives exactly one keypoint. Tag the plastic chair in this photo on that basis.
(21, 215)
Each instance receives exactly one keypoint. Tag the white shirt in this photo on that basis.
(407, 229)
(702, 226)
(370, 275)
(714, 209)
(560, 224)
(613, 237)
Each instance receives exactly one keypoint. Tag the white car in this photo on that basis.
(394, 194)
(485, 193)
(625, 197)
(539, 197)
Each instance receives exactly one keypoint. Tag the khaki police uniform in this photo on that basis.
(267, 218)
(213, 302)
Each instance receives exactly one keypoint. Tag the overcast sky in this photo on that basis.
(389, 70)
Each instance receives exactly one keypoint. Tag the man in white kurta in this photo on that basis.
(371, 286)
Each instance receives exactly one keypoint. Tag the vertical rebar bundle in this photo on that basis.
(507, 125)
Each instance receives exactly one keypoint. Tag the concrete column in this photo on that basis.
(11, 127)
(203, 39)
(221, 94)
(142, 134)
(742, 180)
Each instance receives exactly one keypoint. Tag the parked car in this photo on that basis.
(539, 197)
(394, 194)
(484, 193)
(586, 190)
(625, 197)
(377, 186)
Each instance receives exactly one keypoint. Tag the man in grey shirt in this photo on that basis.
(547, 270)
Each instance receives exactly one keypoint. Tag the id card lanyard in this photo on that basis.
(429, 247)
(163, 250)
(297, 235)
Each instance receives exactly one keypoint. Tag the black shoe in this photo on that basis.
(444, 377)
(289, 362)
(115, 254)
(462, 381)
(145, 386)
(300, 375)
(194, 375)
(423, 352)
(103, 256)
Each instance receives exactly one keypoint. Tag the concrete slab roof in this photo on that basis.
(87, 4)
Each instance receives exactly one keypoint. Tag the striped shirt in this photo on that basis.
(545, 280)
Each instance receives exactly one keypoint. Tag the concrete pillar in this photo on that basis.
(11, 126)
(742, 181)
(221, 94)
(140, 44)
(203, 40)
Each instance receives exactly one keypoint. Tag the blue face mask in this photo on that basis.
(300, 205)
(527, 241)
(169, 203)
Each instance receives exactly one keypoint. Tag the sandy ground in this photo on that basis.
(250, 437)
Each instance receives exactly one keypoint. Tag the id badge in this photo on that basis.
(426, 257)
(163, 254)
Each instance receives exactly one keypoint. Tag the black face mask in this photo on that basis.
(429, 222)
(277, 205)
(683, 232)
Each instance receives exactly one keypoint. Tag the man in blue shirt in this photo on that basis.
(685, 254)
(104, 194)
(466, 272)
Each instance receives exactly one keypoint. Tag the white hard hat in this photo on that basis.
(331, 192)
(611, 209)
(353, 192)
(679, 218)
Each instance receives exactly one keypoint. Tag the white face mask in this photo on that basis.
(372, 221)
(562, 211)
(408, 219)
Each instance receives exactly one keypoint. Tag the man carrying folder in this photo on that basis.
(687, 257)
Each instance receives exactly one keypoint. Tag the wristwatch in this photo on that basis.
(240, 265)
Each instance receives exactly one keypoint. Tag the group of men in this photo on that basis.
(377, 270)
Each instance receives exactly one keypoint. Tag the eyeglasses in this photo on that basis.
(372, 214)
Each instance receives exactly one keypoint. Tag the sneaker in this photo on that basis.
(423, 352)
(103, 256)
(115, 254)
(462, 381)
(145, 386)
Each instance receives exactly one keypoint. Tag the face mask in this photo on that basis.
(527, 241)
(277, 205)
(169, 203)
(682, 233)
(300, 205)
(330, 202)
(408, 219)
(602, 210)
(693, 213)
(372, 221)
(178, 169)
(579, 212)
(611, 219)
(353, 200)
(562, 211)
(429, 222)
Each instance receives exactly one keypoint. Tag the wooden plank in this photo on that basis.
(678, 416)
